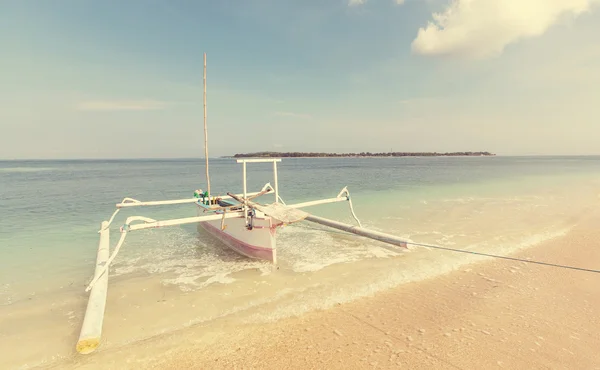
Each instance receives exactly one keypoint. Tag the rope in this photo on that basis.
(506, 257)
(597, 271)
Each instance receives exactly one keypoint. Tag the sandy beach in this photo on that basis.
(287, 185)
(491, 314)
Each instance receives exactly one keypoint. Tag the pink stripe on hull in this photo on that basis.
(240, 246)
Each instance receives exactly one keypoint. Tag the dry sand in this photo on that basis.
(493, 314)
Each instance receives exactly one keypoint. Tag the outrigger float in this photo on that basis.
(238, 220)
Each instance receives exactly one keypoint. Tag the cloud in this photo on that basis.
(478, 29)
(292, 115)
(356, 2)
(120, 105)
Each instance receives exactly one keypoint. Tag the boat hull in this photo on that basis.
(258, 243)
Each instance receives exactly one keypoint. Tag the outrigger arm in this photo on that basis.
(344, 195)
(91, 330)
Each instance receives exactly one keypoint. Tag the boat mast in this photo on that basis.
(206, 134)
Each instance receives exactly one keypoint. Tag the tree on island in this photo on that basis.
(362, 154)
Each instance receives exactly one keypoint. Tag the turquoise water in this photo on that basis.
(51, 212)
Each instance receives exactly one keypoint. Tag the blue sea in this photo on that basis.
(167, 279)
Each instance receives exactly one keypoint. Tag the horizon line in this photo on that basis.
(232, 157)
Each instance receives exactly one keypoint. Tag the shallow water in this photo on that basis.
(166, 279)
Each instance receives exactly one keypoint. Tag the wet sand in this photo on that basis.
(492, 314)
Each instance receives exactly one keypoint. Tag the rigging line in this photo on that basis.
(506, 257)
(596, 271)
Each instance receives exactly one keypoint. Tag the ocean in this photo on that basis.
(167, 279)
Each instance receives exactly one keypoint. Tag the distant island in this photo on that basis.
(362, 154)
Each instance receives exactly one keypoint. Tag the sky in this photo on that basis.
(124, 79)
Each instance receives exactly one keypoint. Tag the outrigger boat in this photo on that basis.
(239, 221)
(251, 229)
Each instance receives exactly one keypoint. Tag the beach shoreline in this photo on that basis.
(489, 314)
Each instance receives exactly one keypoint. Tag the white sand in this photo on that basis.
(495, 314)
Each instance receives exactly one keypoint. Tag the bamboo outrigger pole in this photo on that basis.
(206, 133)
(371, 234)
(91, 329)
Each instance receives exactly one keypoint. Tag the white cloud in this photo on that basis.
(399, 2)
(118, 105)
(293, 115)
(483, 28)
(356, 2)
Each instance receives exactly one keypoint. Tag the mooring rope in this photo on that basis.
(596, 271)
(506, 257)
